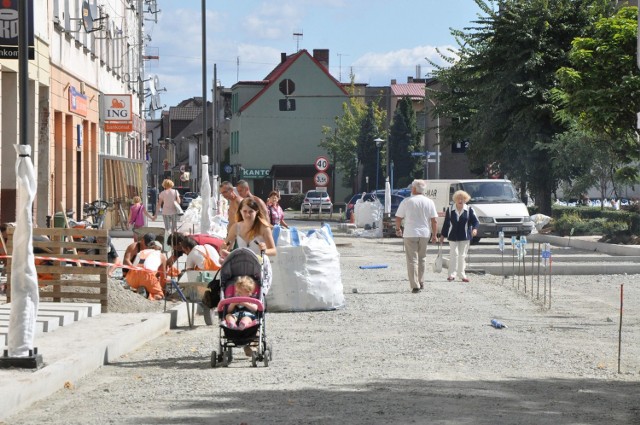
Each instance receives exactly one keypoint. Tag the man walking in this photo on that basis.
(229, 193)
(420, 226)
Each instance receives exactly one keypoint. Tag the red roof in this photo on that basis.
(414, 90)
(273, 76)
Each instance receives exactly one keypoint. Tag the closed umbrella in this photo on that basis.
(387, 197)
(24, 280)
(205, 193)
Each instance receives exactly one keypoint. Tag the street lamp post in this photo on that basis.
(426, 147)
(379, 143)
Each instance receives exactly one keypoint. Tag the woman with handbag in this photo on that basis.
(460, 226)
(137, 213)
(169, 201)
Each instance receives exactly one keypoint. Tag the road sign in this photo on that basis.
(321, 179)
(322, 163)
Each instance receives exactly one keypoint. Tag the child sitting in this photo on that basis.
(242, 315)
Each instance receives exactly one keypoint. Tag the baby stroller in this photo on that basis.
(241, 262)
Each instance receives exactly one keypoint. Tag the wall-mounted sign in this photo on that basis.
(77, 102)
(255, 173)
(9, 29)
(118, 114)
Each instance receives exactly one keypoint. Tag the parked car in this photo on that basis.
(187, 198)
(403, 192)
(369, 197)
(315, 200)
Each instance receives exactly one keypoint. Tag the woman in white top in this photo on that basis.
(252, 230)
(169, 212)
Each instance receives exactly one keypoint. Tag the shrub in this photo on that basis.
(296, 201)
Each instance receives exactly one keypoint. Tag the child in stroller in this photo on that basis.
(241, 309)
(242, 314)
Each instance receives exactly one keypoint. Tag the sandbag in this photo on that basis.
(307, 276)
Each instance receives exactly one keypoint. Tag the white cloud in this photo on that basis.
(380, 68)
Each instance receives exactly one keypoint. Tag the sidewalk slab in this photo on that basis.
(75, 351)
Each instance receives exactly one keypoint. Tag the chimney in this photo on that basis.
(283, 57)
(409, 80)
(393, 81)
(322, 56)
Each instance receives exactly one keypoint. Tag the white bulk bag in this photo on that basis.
(306, 276)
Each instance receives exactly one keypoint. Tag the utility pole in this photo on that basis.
(141, 79)
(205, 120)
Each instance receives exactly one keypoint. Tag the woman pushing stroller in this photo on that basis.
(252, 231)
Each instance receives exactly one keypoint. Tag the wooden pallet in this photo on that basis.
(61, 280)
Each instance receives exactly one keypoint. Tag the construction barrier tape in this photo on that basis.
(88, 262)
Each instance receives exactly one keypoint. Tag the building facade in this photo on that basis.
(86, 92)
(276, 126)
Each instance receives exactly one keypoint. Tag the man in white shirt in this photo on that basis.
(420, 226)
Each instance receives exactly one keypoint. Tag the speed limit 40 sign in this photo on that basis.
(321, 179)
(322, 163)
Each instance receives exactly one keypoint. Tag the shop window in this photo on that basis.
(289, 187)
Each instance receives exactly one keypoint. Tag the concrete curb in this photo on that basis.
(605, 248)
(29, 387)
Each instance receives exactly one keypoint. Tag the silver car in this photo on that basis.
(315, 200)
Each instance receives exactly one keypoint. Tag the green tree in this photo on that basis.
(367, 151)
(577, 152)
(405, 138)
(345, 142)
(600, 91)
(499, 91)
(340, 140)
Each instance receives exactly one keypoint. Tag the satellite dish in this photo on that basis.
(87, 19)
(153, 87)
(110, 33)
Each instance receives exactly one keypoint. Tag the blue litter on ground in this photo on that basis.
(375, 266)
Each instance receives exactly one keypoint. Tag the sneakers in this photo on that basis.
(451, 278)
(464, 279)
(421, 285)
(415, 290)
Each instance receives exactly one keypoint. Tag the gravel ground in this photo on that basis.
(389, 357)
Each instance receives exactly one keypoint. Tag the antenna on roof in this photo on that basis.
(298, 36)
(340, 55)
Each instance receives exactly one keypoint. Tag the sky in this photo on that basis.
(376, 40)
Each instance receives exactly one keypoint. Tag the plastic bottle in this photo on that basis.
(497, 324)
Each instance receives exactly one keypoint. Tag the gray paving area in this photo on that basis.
(76, 339)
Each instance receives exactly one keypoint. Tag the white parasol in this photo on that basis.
(387, 197)
(24, 280)
(205, 194)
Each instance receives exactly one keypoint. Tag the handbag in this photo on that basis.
(177, 206)
(437, 264)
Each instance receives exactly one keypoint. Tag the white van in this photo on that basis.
(495, 202)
